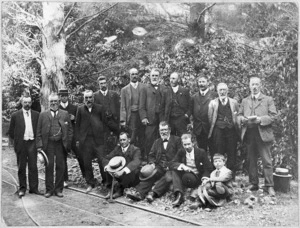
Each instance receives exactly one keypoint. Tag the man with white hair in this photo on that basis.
(54, 134)
(222, 116)
(256, 115)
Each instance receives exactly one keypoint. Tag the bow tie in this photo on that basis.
(165, 140)
(155, 86)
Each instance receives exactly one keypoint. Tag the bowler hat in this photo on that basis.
(42, 157)
(63, 92)
(190, 180)
(147, 172)
(116, 164)
(212, 200)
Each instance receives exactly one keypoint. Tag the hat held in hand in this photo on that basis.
(147, 172)
(116, 164)
(190, 180)
(42, 157)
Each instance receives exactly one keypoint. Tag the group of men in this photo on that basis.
(151, 122)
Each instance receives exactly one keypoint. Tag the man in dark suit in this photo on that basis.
(224, 129)
(71, 109)
(256, 115)
(129, 175)
(162, 152)
(199, 110)
(54, 135)
(90, 123)
(111, 102)
(150, 109)
(192, 160)
(176, 106)
(22, 130)
(129, 113)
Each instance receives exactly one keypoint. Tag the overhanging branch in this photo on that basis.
(64, 22)
(207, 8)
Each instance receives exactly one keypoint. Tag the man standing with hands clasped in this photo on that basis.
(256, 115)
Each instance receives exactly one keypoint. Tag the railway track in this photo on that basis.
(121, 206)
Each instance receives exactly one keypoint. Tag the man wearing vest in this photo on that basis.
(71, 109)
(176, 106)
(22, 130)
(199, 111)
(111, 102)
(256, 115)
(129, 113)
(54, 135)
(222, 116)
(150, 109)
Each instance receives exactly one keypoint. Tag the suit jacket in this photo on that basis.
(199, 110)
(225, 176)
(44, 124)
(125, 111)
(17, 127)
(133, 157)
(71, 109)
(203, 165)
(96, 119)
(184, 101)
(147, 102)
(213, 113)
(266, 110)
(173, 146)
(114, 102)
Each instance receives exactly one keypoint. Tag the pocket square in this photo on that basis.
(66, 123)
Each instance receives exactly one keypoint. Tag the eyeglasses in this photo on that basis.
(134, 74)
(53, 101)
(89, 97)
(155, 75)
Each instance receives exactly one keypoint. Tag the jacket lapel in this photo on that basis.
(22, 118)
(49, 114)
(260, 99)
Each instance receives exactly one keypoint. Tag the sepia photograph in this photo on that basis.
(149, 113)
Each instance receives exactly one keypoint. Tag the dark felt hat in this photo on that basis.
(147, 172)
(116, 164)
(63, 92)
(190, 180)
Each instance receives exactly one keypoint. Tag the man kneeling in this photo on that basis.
(123, 163)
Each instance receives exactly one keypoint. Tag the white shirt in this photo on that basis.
(64, 105)
(124, 149)
(256, 96)
(203, 93)
(52, 113)
(175, 89)
(134, 84)
(104, 92)
(190, 162)
(28, 134)
(226, 100)
(166, 143)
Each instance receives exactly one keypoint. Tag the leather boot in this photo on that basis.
(179, 200)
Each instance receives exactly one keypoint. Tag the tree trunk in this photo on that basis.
(54, 56)
(197, 27)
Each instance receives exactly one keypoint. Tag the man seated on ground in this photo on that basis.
(128, 175)
(190, 166)
(219, 186)
(157, 171)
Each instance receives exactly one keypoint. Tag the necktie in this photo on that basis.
(218, 173)
(27, 113)
(223, 101)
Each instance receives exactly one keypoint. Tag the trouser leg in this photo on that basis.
(252, 156)
(264, 151)
(22, 162)
(32, 166)
(87, 153)
(59, 167)
(50, 168)
(163, 184)
(151, 134)
(99, 150)
(177, 181)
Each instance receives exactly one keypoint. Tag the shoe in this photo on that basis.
(35, 192)
(59, 194)
(107, 196)
(134, 195)
(66, 185)
(253, 187)
(89, 189)
(195, 205)
(271, 191)
(117, 194)
(21, 194)
(48, 194)
(150, 197)
(212, 193)
(179, 200)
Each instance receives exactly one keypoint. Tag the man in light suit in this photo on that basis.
(222, 116)
(54, 134)
(256, 115)
(199, 111)
(150, 109)
(22, 130)
(129, 112)
(176, 106)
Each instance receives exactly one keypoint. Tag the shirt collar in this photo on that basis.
(24, 111)
(124, 149)
(104, 92)
(134, 84)
(204, 92)
(191, 154)
(256, 95)
(64, 105)
(175, 88)
(226, 99)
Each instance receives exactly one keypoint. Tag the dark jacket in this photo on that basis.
(147, 102)
(132, 155)
(199, 111)
(71, 109)
(203, 165)
(44, 126)
(17, 127)
(94, 120)
(174, 145)
(114, 102)
(183, 100)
